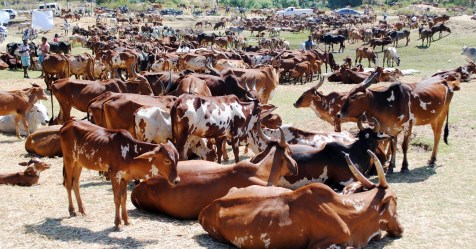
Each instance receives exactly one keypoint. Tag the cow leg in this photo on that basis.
(406, 140)
(25, 125)
(17, 126)
(68, 166)
(117, 200)
(436, 127)
(76, 174)
(236, 149)
(393, 145)
(123, 191)
(220, 148)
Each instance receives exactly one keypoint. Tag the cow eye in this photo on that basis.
(167, 161)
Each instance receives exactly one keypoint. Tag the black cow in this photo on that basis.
(330, 40)
(439, 28)
(328, 165)
(60, 47)
(12, 46)
(203, 37)
(398, 35)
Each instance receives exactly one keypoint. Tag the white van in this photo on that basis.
(50, 6)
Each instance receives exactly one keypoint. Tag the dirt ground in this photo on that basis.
(434, 204)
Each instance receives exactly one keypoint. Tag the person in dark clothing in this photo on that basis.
(308, 43)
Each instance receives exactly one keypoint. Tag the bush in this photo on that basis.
(335, 4)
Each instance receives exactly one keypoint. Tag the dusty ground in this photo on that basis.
(435, 205)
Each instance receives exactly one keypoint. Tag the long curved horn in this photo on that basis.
(378, 166)
(265, 138)
(282, 140)
(321, 81)
(253, 87)
(359, 122)
(370, 80)
(376, 125)
(357, 174)
(169, 84)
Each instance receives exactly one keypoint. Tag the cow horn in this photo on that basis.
(263, 136)
(169, 84)
(469, 61)
(370, 80)
(321, 81)
(357, 174)
(162, 90)
(378, 166)
(376, 125)
(253, 87)
(282, 140)
(246, 87)
(360, 121)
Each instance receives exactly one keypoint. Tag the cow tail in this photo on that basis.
(173, 114)
(447, 130)
(91, 66)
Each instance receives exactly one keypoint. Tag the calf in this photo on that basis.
(18, 103)
(202, 182)
(115, 151)
(29, 177)
(313, 216)
(390, 53)
(36, 116)
(300, 69)
(44, 142)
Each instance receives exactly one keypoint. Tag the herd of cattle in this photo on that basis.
(301, 189)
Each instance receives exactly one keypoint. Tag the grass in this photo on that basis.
(434, 204)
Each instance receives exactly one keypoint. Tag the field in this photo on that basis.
(434, 204)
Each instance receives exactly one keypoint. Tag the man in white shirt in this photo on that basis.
(25, 58)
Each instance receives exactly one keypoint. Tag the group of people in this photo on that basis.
(24, 50)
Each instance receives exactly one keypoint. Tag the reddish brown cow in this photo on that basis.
(365, 52)
(78, 93)
(55, 66)
(300, 69)
(202, 182)
(400, 106)
(120, 60)
(115, 151)
(191, 85)
(313, 216)
(44, 142)
(29, 177)
(18, 103)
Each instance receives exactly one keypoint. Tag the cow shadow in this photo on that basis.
(382, 243)
(163, 218)
(422, 47)
(415, 175)
(54, 230)
(208, 242)
(95, 184)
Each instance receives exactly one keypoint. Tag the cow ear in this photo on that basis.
(146, 155)
(23, 164)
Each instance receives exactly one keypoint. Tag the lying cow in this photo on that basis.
(29, 177)
(313, 216)
(44, 142)
(36, 116)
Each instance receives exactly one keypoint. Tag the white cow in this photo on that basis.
(469, 52)
(390, 53)
(37, 115)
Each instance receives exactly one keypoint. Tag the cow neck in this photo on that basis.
(31, 97)
(269, 168)
(322, 114)
(360, 212)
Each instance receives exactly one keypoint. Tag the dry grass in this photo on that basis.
(435, 205)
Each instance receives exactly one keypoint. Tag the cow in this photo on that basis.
(18, 103)
(440, 27)
(237, 30)
(115, 151)
(366, 52)
(100, 70)
(27, 178)
(190, 84)
(398, 35)
(425, 34)
(330, 40)
(82, 65)
(400, 106)
(313, 216)
(202, 182)
(300, 69)
(469, 52)
(78, 93)
(380, 42)
(78, 39)
(223, 64)
(44, 142)
(219, 25)
(55, 66)
(390, 53)
(222, 117)
(120, 60)
(60, 47)
(35, 116)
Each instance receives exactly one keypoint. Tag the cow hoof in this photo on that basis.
(404, 170)
(389, 171)
(117, 229)
(72, 214)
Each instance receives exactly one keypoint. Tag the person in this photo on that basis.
(385, 16)
(414, 19)
(26, 34)
(66, 27)
(44, 50)
(25, 58)
(56, 39)
(308, 43)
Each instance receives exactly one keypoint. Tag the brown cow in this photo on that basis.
(82, 65)
(55, 66)
(120, 60)
(78, 93)
(44, 142)
(313, 216)
(365, 52)
(300, 69)
(202, 182)
(400, 106)
(18, 103)
(115, 151)
(29, 177)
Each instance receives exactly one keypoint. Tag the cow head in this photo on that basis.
(163, 160)
(35, 166)
(38, 92)
(307, 97)
(382, 196)
(357, 100)
(38, 114)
